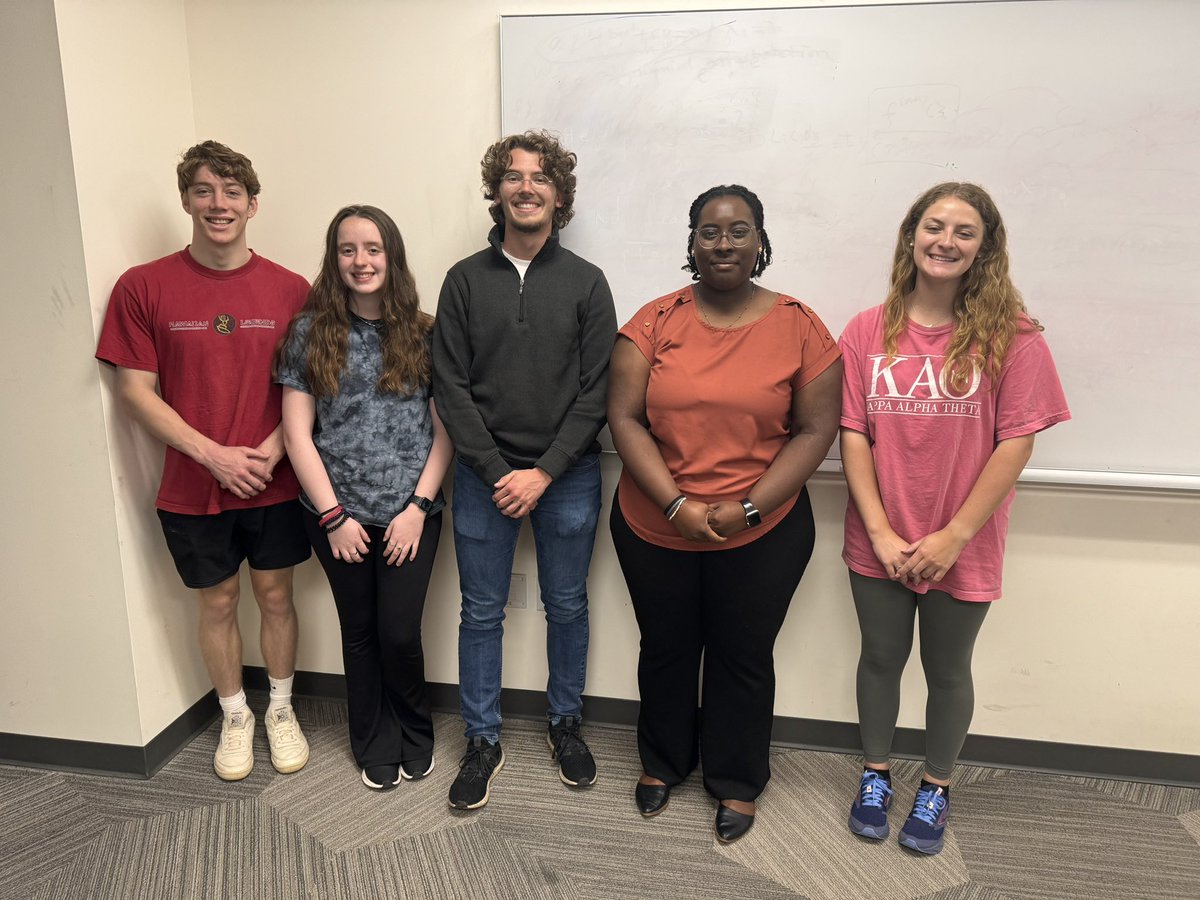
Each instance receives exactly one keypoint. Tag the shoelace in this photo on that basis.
(474, 764)
(234, 737)
(285, 727)
(874, 791)
(569, 742)
(929, 805)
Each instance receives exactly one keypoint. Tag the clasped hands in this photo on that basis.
(927, 559)
(350, 542)
(518, 492)
(709, 523)
(245, 471)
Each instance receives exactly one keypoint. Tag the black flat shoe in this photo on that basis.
(731, 824)
(651, 798)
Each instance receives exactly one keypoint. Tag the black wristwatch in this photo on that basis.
(421, 503)
(753, 517)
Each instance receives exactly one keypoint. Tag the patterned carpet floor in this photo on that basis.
(320, 834)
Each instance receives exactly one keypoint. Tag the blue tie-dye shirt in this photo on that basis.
(373, 445)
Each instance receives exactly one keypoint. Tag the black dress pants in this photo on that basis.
(711, 616)
(380, 608)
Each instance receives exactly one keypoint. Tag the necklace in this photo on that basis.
(938, 324)
(745, 306)
(374, 323)
(937, 317)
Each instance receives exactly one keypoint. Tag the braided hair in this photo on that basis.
(756, 208)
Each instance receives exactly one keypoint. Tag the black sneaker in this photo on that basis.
(576, 766)
(415, 771)
(479, 765)
(381, 778)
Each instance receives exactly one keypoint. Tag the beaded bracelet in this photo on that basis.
(337, 522)
(329, 515)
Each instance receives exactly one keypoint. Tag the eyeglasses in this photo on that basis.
(515, 179)
(709, 236)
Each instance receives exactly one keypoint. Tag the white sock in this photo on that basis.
(233, 703)
(281, 691)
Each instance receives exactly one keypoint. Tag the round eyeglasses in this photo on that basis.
(515, 179)
(709, 236)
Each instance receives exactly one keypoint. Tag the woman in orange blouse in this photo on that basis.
(723, 398)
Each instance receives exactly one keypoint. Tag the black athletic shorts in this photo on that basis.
(209, 549)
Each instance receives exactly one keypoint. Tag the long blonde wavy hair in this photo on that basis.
(988, 309)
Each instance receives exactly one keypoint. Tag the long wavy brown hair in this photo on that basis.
(403, 330)
(988, 310)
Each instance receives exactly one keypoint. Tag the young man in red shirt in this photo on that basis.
(192, 337)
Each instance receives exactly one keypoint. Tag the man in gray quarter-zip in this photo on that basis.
(524, 333)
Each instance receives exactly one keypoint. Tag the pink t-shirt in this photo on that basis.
(210, 336)
(930, 442)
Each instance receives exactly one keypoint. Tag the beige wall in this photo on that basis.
(392, 103)
(66, 667)
(128, 91)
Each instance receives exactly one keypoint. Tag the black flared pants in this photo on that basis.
(706, 672)
(380, 608)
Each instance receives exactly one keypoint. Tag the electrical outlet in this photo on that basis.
(518, 593)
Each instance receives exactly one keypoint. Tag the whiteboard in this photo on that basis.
(1082, 117)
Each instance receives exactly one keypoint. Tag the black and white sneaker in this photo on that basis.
(576, 767)
(381, 778)
(479, 765)
(417, 769)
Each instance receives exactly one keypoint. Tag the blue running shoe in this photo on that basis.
(925, 829)
(868, 814)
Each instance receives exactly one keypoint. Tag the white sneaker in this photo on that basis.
(289, 748)
(235, 751)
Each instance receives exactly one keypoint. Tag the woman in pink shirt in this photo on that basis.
(945, 386)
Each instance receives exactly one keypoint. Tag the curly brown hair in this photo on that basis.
(403, 330)
(988, 310)
(558, 164)
(221, 161)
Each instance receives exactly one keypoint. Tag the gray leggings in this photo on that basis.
(886, 610)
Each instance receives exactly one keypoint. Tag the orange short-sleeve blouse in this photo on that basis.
(719, 403)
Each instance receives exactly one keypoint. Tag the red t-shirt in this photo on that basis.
(930, 442)
(719, 404)
(210, 336)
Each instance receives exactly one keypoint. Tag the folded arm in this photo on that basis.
(349, 542)
(932, 556)
(243, 471)
(816, 408)
(403, 535)
(628, 380)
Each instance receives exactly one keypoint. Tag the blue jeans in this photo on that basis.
(564, 531)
